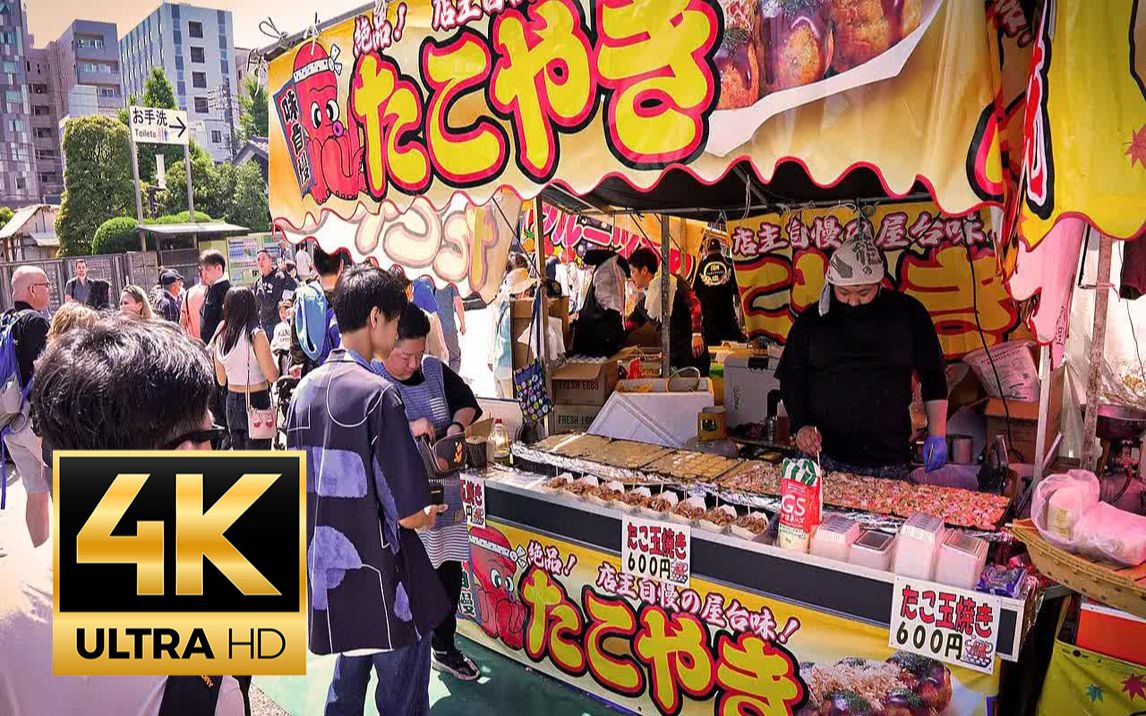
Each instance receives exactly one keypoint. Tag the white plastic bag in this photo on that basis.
(1108, 533)
(1057, 517)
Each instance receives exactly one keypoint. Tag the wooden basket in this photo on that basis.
(1120, 587)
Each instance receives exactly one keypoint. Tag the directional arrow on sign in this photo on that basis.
(181, 126)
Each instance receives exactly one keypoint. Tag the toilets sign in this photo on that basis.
(158, 126)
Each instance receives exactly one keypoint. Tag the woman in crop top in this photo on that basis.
(243, 363)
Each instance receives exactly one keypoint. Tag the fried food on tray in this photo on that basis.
(796, 43)
(864, 29)
(630, 454)
(691, 509)
(583, 445)
(557, 483)
(692, 466)
(750, 525)
(663, 502)
(638, 497)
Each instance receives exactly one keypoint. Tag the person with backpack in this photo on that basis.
(315, 332)
(23, 336)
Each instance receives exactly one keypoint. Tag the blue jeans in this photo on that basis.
(403, 682)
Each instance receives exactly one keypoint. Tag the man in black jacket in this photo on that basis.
(214, 268)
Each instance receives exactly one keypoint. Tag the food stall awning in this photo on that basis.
(1072, 179)
(432, 107)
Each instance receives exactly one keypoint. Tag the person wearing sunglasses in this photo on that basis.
(847, 370)
(156, 398)
(31, 294)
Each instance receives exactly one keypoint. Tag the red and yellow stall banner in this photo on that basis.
(781, 260)
(1085, 150)
(573, 614)
(468, 96)
(623, 234)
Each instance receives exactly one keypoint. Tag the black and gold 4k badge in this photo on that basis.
(180, 563)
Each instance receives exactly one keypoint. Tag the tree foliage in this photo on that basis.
(97, 180)
(184, 217)
(157, 90)
(237, 194)
(6, 215)
(253, 120)
(118, 235)
(250, 207)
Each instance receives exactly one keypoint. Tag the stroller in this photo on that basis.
(283, 390)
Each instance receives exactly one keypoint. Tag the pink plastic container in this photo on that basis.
(873, 549)
(961, 560)
(834, 536)
(919, 540)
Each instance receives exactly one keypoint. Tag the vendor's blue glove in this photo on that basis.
(934, 452)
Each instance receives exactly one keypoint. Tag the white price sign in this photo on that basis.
(656, 550)
(473, 499)
(158, 126)
(944, 623)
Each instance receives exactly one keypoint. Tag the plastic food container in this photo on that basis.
(961, 560)
(919, 540)
(834, 537)
(873, 549)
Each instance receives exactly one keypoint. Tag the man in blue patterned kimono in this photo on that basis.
(374, 596)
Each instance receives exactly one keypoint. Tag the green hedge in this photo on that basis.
(116, 236)
(182, 217)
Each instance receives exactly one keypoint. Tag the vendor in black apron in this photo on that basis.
(846, 372)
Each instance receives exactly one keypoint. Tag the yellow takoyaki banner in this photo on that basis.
(441, 97)
(946, 262)
(573, 614)
(1084, 155)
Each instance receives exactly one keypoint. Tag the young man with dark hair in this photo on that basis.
(272, 287)
(685, 322)
(374, 596)
(121, 384)
(316, 297)
(213, 271)
(78, 288)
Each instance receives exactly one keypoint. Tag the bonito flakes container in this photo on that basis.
(873, 549)
(918, 548)
(961, 560)
(834, 537)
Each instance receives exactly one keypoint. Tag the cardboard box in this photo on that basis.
(577, 383)
(750, 384)
(1111, 632)
(573, 418)
(1025, 418)
(657, 416)
(521, 315)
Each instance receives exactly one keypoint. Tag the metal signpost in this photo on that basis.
(152, 125)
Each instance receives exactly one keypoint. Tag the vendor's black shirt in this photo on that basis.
(715, 286)
(849, 374)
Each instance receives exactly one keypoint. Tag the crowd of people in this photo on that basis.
(193, 370)
(363, 364)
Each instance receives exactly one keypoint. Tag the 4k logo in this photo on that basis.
(180, 563)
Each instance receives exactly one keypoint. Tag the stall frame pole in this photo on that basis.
(1102, 288)
(665, 307)
(1044, 400)
(542, 292)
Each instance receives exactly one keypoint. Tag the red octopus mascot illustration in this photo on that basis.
(500, 613)
(335, 149)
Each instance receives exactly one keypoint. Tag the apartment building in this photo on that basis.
(44, 123)
(196, 48)
(19, 180)
(85, 61)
